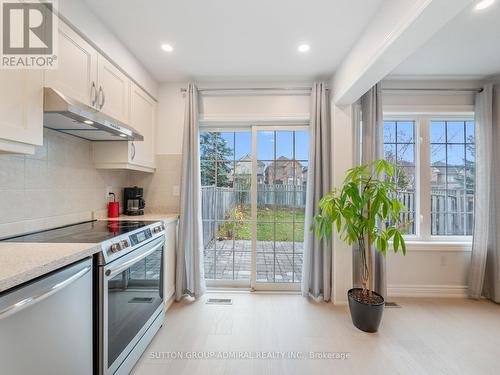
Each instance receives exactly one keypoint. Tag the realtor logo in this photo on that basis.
(28, 35)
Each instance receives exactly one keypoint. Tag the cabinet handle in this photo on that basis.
(93, 94)
(133, 151)
(102, 98)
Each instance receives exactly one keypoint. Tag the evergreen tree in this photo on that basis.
(215, 160)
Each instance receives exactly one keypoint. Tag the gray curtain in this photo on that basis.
(317, 266)
(189, 275)
(370, 140)
(484, 278)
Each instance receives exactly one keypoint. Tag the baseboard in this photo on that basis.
(447, 291)
(169, 301)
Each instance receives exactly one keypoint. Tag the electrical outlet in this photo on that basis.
(444, 261)
(109, 189)
(176, 191)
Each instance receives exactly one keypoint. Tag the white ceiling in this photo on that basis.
(467, 46)
(237, 39)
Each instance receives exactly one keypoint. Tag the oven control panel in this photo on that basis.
(141, 236)
(123, 244)
(159, 228)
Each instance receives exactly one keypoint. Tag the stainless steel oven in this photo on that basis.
(130, 300)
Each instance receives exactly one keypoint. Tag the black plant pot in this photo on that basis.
(366, 317)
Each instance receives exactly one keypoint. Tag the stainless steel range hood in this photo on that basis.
(70, 116)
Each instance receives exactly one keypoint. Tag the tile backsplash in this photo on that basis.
(55, 186)
(59, 185)
(159, 186)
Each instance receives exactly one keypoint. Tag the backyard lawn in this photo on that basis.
(280, 224)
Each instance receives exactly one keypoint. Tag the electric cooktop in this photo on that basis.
(88, 232)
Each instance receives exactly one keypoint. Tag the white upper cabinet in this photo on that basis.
(21, 110)
(76, 75)
(142, 118)
(85, 75)
(136, 155)
(113, 91)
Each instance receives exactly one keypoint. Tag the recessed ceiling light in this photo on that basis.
(167, 47)
(483, 4)
(123, 135)
(304, 47)
(88, 122)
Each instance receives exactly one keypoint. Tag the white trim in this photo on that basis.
(169, 301)
(249, 119)
(420, 110)
(448, 78)
(124, 165)
(444, 246)
(442, 291)
(276, 287)
(220, 283)
(253, 127)
(253, 273)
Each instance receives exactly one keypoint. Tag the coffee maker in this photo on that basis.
(133, 201)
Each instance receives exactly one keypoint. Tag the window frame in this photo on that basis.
(423, 173)
(253, 127)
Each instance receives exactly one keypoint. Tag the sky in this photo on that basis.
(241, 143)
(448, 141)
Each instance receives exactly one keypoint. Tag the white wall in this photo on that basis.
(228, 106)
(446, 101)
(441, 271)
(429, 272)
(81, 17)
(343, 159)
(170, 123)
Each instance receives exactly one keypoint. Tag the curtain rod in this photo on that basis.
(433, 89)
(307, 88)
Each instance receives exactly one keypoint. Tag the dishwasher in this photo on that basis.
(46, 325)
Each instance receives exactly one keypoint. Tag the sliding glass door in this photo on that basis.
(253, 204)
(226, 176)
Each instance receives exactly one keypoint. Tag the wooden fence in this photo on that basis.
(218, 201)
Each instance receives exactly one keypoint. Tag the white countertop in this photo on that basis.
(22, 261)
(166, 218)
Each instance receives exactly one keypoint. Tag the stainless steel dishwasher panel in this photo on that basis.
(46, 326)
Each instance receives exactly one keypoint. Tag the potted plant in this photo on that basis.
(366, 212)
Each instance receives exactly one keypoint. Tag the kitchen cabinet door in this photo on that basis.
(142, 118)
(136, 155)
(21, 110)
(169, 260)
(76, 75)
(113, 98)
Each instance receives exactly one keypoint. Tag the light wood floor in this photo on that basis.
(425, 336)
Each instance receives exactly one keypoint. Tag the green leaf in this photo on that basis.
(396, 242)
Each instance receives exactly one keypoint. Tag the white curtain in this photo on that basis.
(317, 266)
(189, 277)
(484, 278)
(370, 139)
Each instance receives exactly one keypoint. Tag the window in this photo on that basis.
(399, 148)
(452, 177)
(253, 194)
(436, 156)
(226, 170)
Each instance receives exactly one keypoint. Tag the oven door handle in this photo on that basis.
(111, 272)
